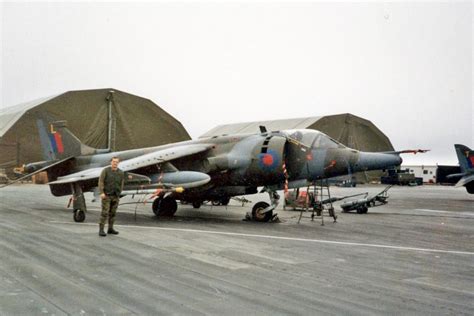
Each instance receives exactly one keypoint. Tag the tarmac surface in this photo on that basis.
(414, 255)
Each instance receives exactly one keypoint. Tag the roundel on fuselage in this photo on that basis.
(268, 156)
(269, 160)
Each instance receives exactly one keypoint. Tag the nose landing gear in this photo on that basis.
(262, 211)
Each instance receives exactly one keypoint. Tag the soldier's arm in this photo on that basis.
(125, 176)
(101, 181)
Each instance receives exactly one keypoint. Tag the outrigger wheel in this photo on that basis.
(164, 206)
(257, 214)
(79, 216)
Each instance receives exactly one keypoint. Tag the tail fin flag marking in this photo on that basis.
(47, 145)
(59, 143)
(53, 143)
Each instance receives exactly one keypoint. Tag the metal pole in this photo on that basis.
(17, 152)
(110, 99)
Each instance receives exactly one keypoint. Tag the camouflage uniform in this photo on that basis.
(111, 184)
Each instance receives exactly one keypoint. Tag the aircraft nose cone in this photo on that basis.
(376, 161)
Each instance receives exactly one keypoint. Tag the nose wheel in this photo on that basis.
(262, 211)
(259, 214)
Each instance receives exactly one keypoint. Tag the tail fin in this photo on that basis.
(465, 157)
(58, 142)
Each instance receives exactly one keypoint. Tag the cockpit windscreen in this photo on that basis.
(313, 139)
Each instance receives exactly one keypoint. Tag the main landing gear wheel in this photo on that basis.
(196, 204)
(164, 206)
(225, 201)
(362, 210)
(257, 214)
(79, 216)
(156, 206)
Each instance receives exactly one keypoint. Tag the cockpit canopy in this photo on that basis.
(313, 139)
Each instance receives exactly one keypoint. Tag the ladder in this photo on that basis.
(319, 201)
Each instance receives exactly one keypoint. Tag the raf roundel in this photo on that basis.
(268, 160)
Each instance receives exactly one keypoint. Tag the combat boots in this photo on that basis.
(112, 231)
(101, 231)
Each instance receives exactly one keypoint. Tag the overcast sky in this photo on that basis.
(406, 66)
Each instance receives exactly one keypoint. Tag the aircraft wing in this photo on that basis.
(94, 173)
(161, 156)
(79, 176)
(153, 158)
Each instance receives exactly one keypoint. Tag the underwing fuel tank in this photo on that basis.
(185, 179)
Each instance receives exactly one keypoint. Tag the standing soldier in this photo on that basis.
(111, 182)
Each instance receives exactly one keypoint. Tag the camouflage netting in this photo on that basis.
(138, 123)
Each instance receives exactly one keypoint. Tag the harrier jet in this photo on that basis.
(466, 162)
(209, 169)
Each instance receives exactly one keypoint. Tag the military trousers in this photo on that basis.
(109, 208)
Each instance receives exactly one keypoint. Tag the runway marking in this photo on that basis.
(428, 210)
(321, 241)
(445, 212)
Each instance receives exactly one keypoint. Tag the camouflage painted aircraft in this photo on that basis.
(466, 162)
(210, 169)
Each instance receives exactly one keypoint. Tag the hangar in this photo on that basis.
(136, 122)
(349, 129)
